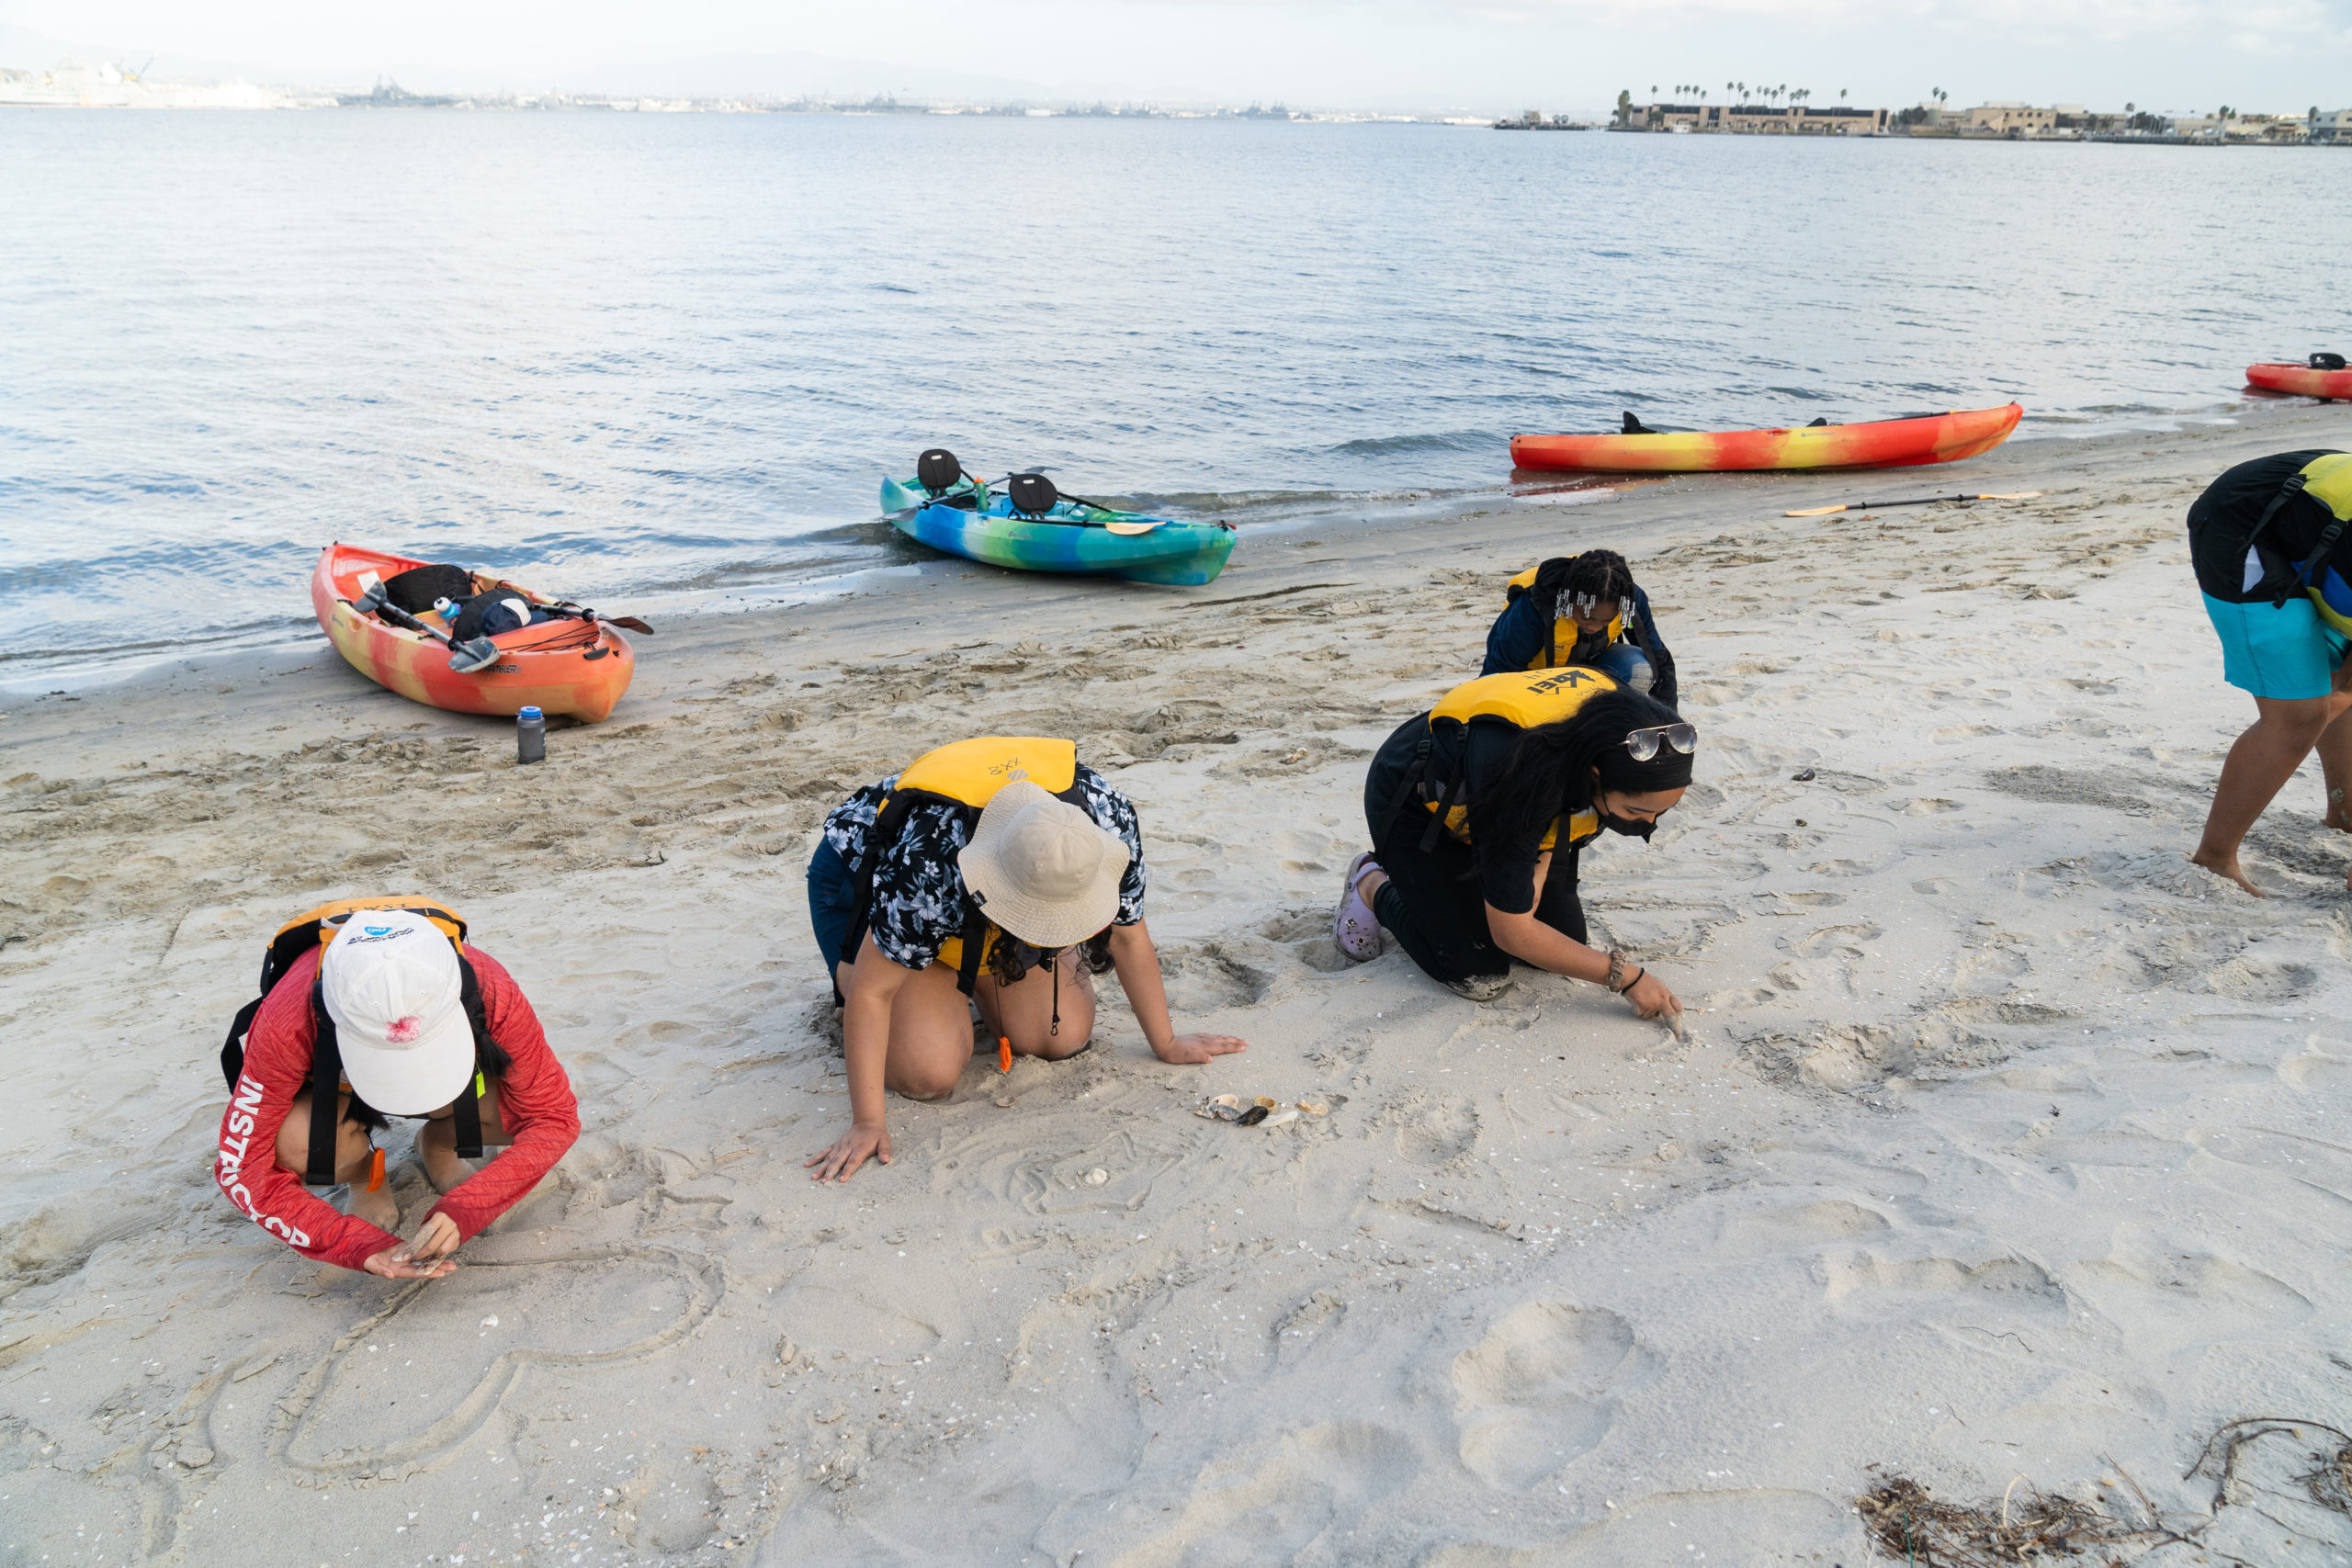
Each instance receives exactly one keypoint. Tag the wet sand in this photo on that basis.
(2002, 1143)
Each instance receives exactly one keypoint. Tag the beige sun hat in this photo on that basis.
(1041, 868)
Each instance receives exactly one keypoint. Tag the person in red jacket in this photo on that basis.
(391, 985)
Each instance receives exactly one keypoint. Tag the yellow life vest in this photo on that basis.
(1523, 701)
(967, 773)
(1564, 632)
(970, 772)
(2328, 480)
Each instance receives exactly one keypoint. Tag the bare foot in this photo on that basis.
(2339, 812)
(377, 1207)
(442, 1166)
(2226, 866)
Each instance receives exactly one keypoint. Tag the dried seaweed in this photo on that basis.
(2027, 1525)
(2031, 1526)
(2329, 1480)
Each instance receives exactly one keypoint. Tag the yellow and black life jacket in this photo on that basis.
(1523, 701)
(2328, 480)
(1563, 643)
(317, 928)
(966, 774)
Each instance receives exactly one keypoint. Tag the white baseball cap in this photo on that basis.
(391, 985)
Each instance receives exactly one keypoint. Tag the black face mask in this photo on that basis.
(1632, 827)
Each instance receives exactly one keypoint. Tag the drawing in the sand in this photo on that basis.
(385, 999)
(999, 872)
(2271, 543)
(1584, 609)
(1479, 810)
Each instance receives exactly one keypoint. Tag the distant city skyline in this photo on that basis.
(1574, 55)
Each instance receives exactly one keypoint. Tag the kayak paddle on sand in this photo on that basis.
(1922, 501)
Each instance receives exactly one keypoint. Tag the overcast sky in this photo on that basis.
(1572, 54)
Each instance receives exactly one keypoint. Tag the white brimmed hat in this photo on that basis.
(391, 985)
(1041, 868)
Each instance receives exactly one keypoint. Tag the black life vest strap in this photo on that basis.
(976, 941)
(1413, 775)
(233, 1050)
(1446, 803)
(2317, 562)
(468, 1110)
(2286, 492)
(326, 1091)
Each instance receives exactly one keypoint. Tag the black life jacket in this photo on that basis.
(316, 929)
(964, 775)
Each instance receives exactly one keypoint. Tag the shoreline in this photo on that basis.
(785, 587)
(2002, 1143)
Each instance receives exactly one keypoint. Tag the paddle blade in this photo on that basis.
(2020, 495)
(1126, 528)
(627, 623)
(1814, 512)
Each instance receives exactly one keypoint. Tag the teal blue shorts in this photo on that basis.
(2282, 651)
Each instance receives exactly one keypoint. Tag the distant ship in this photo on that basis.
(391, 94)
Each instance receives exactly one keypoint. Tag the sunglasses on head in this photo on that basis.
(1644, 743)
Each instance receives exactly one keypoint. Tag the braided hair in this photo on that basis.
(1594, 578)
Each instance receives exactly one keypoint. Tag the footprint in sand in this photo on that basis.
(1276, 1503)
(1539, 1390)
(2217, 1296)
(422, 1375)
(1866, 1284)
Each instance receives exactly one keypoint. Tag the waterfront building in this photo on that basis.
(2333, 127)
(1754, 119)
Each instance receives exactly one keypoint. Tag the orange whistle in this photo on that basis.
(1004, 1054)
(376, 1171)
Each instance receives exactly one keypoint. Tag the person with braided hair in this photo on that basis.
(1587, 610)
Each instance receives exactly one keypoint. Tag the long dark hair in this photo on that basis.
(1009, 958)
(1550, 769)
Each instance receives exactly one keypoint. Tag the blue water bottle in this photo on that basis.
(530, 736)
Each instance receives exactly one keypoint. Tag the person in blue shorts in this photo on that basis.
(2271, 548)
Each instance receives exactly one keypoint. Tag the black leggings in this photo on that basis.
(1434, 908)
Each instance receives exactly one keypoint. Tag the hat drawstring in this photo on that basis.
(1056, 1028)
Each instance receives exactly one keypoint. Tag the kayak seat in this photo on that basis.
(1815, 423)
(1033, 495)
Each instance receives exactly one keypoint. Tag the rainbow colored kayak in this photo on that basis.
(2300, 379)
(1882, 444)
(979, 522)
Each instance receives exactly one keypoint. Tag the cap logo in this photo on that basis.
(403, 1031)
(375, 930)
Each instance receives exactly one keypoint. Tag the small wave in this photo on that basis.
(1405, 445)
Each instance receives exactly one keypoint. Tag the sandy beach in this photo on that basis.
(2003, 1141)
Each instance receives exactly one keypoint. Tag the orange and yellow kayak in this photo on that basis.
(2300, 379)
(566, 666)
(1883, 444)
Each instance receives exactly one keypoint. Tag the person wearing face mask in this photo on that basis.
(1479, 811)
(1585, 610)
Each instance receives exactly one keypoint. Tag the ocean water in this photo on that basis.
(672, 356)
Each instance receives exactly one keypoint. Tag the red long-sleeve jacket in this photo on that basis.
(535, 1104)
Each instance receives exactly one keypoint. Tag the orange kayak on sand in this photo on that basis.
(566, 666)
(2300, 379)
(1883, 444)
